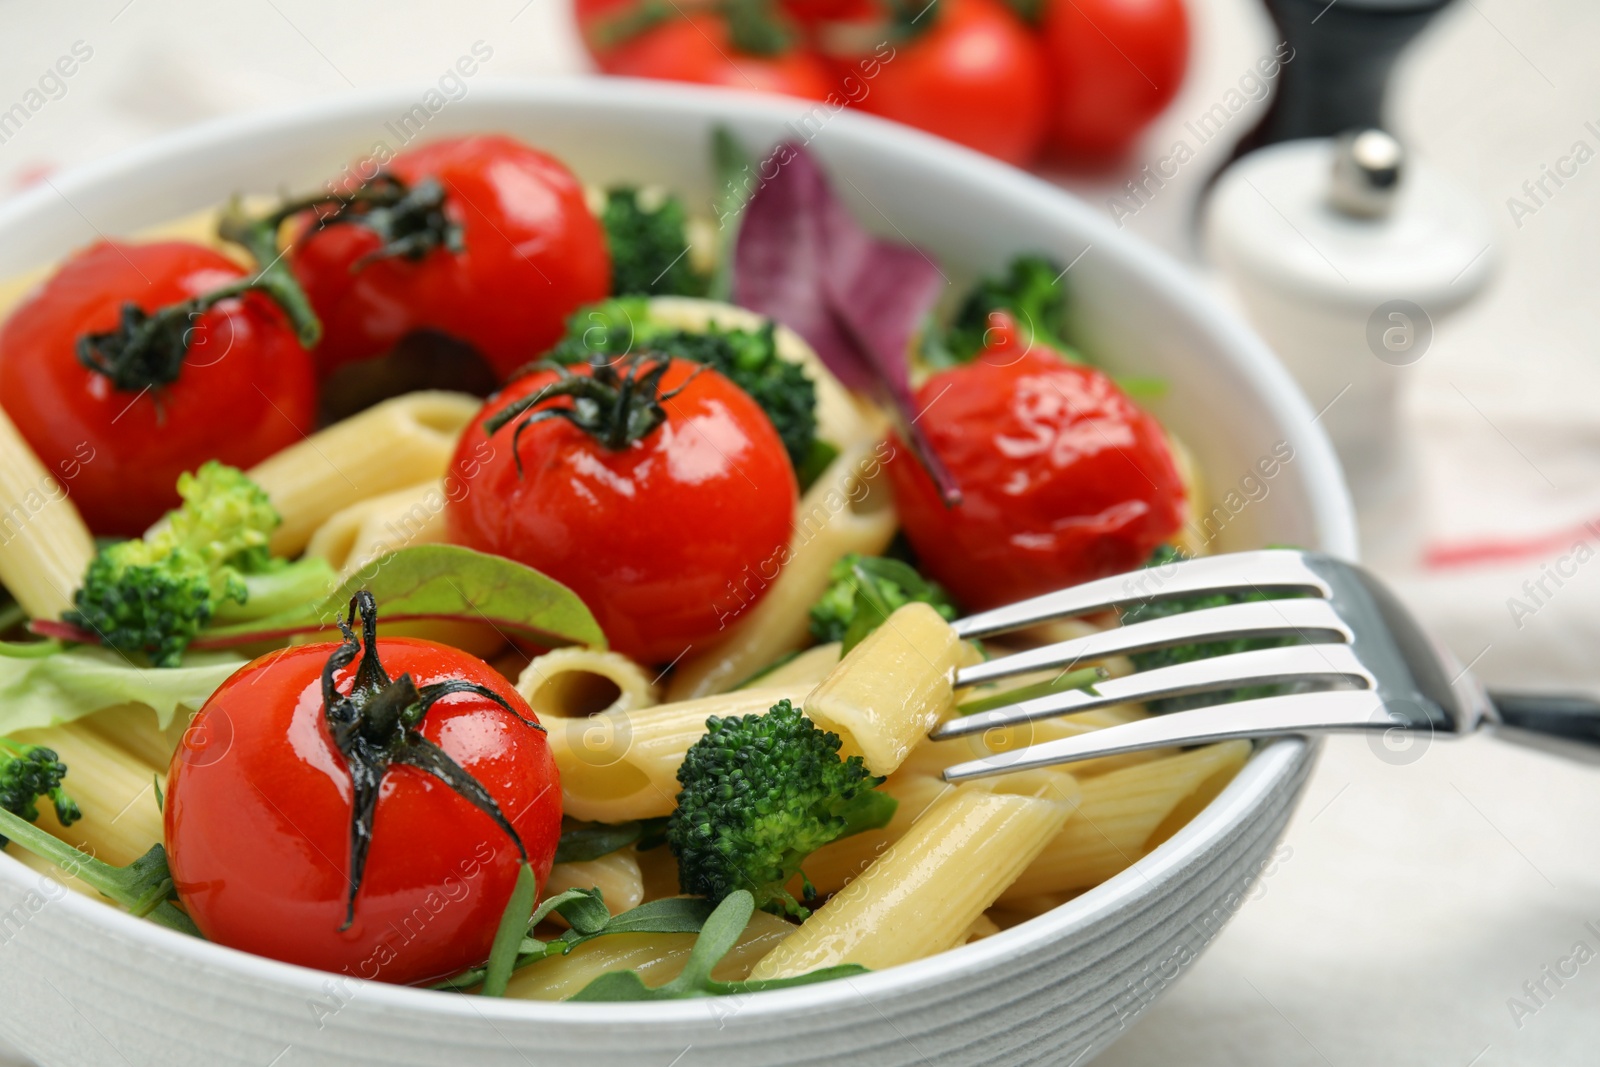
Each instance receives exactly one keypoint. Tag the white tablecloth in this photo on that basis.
(1417, 898)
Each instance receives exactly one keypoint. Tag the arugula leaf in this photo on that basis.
(584, 841)
(65, 684)
(508, 938)
(719, 934)
(1079, 679)
(438, 582)
(143, 887)
(585, 910)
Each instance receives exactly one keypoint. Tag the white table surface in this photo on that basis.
(1418, 895)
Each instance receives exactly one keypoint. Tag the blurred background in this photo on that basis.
(1419, 890)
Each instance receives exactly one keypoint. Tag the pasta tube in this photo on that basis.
(44, 545)
(891, 689)
(397, 443)
(806, 669)
(926, 892)
(617, 766)
(659, 958)
(369, 528)
(835, 865)
(617, 877)
(1118, 814)
(572, 683)
(115, 792)
(847, 510)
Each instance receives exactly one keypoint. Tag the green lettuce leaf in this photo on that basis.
(43, 690)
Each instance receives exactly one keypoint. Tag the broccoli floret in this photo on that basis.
(760, 794)
(1167, 657)
(649, 243)
(747, 358)
(207, 558)
(865, 590)
(1032, 291)
(28, 772)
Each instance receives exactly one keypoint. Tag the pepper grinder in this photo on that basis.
(1345, 255)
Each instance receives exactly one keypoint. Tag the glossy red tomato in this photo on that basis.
(667, 538)
(1114, 64)
(531, 254)
(975, 76)
(1063, 478)
(700, 48)
(243, 390)
(259, 812)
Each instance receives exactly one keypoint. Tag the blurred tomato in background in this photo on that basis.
(741, 44)
(1012, 78)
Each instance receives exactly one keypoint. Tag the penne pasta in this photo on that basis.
(658, 958)
(133, 729)
(836, 865)
(847, 510)
(805, 669)
(115, 792)
(392, 445)
(923, 895)
(573, 683)
(1117, 816)
(617, 766)
(617, 876)
(932, 757)
(44, 545)
(891, 689)
(659, 868)
(369, 528)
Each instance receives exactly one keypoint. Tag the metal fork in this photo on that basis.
(1364, 665)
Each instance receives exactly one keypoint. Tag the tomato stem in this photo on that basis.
(614, 407)
(377, 724)
(755, 27)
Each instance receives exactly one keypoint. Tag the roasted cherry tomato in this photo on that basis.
(530, 252)
(969, 71)
(755, 50)
(658, 492)
(1114, 64)
(1063, 478)
(230, 383)
(362, 808)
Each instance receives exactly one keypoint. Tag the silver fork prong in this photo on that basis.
(1321, 665)
(1270, 570)
(1344, 710)
(1308, 618)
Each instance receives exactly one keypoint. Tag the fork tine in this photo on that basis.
(1310, 619)
(1269, 570)
(1344, 710)
(1321, 664)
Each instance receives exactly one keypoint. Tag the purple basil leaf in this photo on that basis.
(781, 257)
(803, 260)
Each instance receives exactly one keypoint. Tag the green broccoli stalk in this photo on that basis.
(1032, 292)
(760, 794)
(747, 358)
(28, 772)
(143, 887)
(1145, 610)
(206, 559)
(863, 591)
(649, 241)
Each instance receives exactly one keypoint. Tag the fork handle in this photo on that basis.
(1567, 725)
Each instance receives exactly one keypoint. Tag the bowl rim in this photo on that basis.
(1332, 516)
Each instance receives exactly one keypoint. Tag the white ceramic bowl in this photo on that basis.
(83, 984)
